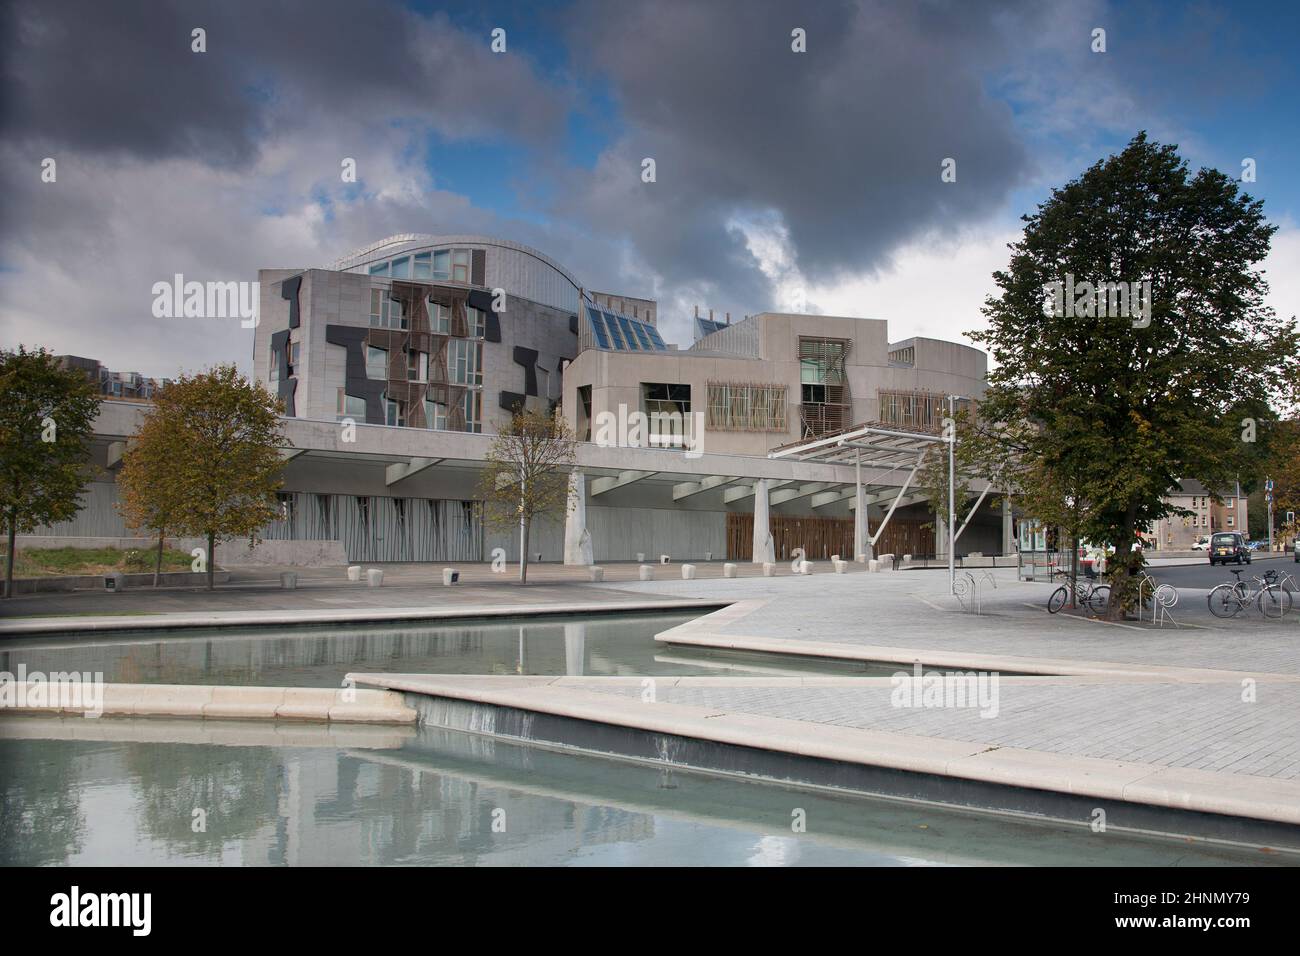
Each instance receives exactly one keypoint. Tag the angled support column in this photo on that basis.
(764, 547)
(577, 540)
(920, 460)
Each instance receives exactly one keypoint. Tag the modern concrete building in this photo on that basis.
(397, 364)
(125, 386)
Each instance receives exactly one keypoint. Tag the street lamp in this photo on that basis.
(952, 493)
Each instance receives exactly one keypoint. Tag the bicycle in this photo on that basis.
(1228, 600)
(1086, 594)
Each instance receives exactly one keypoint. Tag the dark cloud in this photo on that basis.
(844, 142)
(120, 77)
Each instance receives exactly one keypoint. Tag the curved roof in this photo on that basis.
(417, 241)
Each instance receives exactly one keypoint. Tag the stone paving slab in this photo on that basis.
(1046, 736)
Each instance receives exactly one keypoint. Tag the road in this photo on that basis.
(1201, 575)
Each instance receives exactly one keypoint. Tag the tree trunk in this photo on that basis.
(523, 555)
(157, 568)
(1074, 569)
(9, 562)
(212, 547)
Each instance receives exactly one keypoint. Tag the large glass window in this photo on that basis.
(379, 269)
(477, 322)
(668, 411)
(376, 363)
(402, 268)
(417, 366)
(435, 415)
(385, 311)
(460, 265)
(442, 265)
(744, 407)
(473, 411)
(465, 362)
(349, 406)
(422, 266)
(439, 318)
(394, 412)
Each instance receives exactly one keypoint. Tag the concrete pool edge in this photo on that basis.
(213, 702)
(705, 632)
(234, 619)
(994, 770)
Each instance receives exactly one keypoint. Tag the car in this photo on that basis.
(1201, 544)
(1228, 546)
(1256, 545)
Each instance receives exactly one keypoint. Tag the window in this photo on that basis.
(385, 311)
(379, 269)
(1231, 502)
(435, 415)
(394, 412)
(460, 265)
(417, 366)
(477, 322)
(442, 265)
(1230, 521)
(745, 407)
(439, 318)
(465, 362)
(473, 406)
(422, 266)
(543, 382)
(668, 411)
(349, 406)
(376, 363)
(402, 268)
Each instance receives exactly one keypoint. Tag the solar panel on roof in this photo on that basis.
(598, 328)
(641, 336)
(656, 338)
(614, 334)
(625, 324)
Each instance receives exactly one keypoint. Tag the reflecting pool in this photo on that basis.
(131, 791)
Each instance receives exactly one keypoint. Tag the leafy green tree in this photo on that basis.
(147, 490)
(1124, 405)
(46, 417)
(526, 476)
(212, 459)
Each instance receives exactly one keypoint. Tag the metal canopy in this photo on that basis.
(871, 445)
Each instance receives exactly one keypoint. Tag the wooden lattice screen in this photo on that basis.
(822, 537)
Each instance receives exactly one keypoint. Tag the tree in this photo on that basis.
(209, 459)
(46, 417)
(1126, 404)
(526, 476)
(147, 489)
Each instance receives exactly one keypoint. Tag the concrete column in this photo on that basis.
(1008, 538)
(861, 529)
(577, 541)
(940, 536)
(764, 547)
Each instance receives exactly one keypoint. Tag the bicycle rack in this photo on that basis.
(1163, 597)
(968, 586)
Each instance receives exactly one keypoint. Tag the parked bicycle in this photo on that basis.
(1271, 597)
(1086, 594)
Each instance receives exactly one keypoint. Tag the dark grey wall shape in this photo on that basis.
(286, 387)
(573, 324)
(356, 382)
(512, 401)
(478, 299)
(289, 290)
(528, 359)
(478, 266)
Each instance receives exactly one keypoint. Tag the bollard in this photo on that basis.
(886, 562)
(665, 559)
(873, 565)
(596, 573)
(862, 559)
(769, 569)
(805, 567)
(114, 581)
(841, 566)
(834, 558)
(708, 555)
(354, 572)
(289, 580)
(374, 578)
(646, 572)
(688, 572)
(640, 557)
(450, 576)
(728, 570)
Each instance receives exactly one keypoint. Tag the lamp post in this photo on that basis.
(952, 493)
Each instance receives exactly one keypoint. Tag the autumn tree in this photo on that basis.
(147, 489)
(207, 459)
(46, 417)
(1125, 401)
(526, 476)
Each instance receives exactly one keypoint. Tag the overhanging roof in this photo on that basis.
(875, 444)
